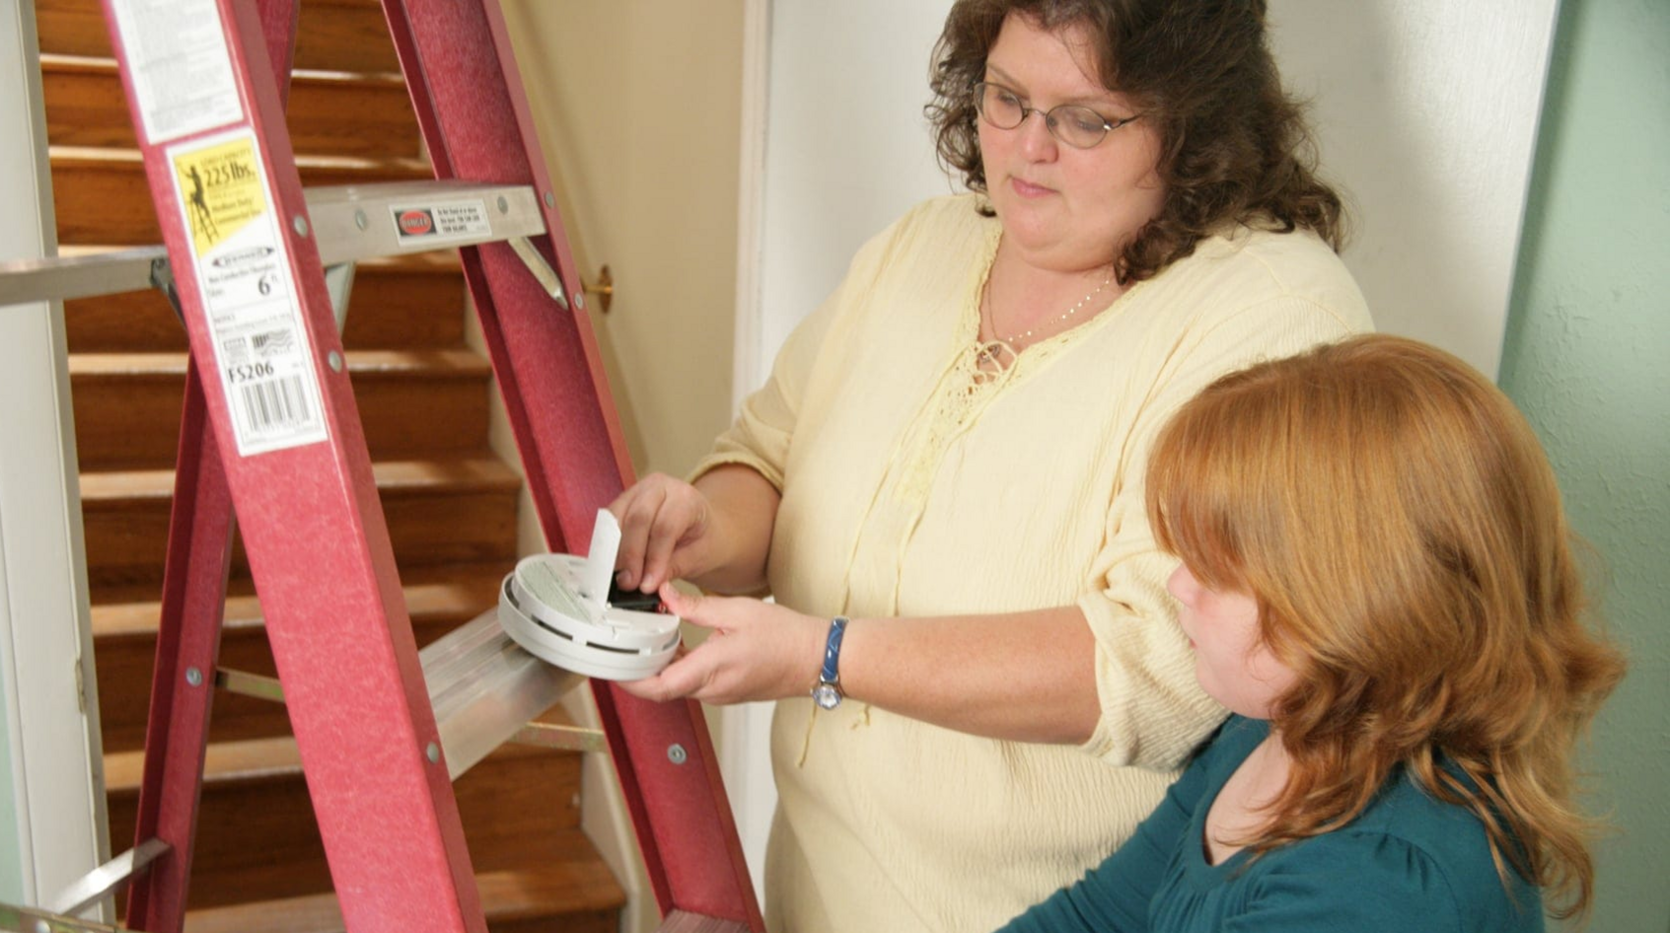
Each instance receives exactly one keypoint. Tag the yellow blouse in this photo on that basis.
(914, 487)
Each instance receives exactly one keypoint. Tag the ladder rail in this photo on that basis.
(199, 558)
(201, 525)
(560, 410)
(313, 526)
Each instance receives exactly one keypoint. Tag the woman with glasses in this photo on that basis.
(941, 484)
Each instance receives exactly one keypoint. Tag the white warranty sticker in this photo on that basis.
(422, 225)
(261, 344)
(182, 73)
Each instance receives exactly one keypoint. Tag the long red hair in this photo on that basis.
(1395, 518)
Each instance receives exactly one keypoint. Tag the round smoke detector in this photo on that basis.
(555, 606)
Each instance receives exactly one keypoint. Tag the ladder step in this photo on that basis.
(484, 688)
(362, 221)
(351, 224)
(98, 884)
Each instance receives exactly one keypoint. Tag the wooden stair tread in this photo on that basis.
(448, 592)
(100, 195)
(333, 34)
(93, 64)
(273, 757)
(436, 262)
(97, 156)
(395, 476)
(431, 363)
(556, 888)
(344, 113)
(411, 301)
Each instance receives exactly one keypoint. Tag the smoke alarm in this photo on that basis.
(557, 607)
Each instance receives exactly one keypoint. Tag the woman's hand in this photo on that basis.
(757, 651)
(665, 527)
(716, 533)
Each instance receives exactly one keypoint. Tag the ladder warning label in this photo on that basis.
(221, 190)
(422, 225)
(241, 266)
(182, 74)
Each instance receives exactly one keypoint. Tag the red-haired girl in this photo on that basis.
(1378, 583)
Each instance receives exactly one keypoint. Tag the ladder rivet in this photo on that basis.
(504, 206)
(434, 752)
(550, 199)
(335, 360)
(359, 219)
(677, 755)
(194, 677)
(300, 223)
(580, 301)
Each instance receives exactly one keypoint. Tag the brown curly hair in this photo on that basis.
(1234, 147)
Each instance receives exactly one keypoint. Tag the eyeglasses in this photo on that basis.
(1075, 125)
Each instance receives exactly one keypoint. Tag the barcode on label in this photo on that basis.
(277, 403)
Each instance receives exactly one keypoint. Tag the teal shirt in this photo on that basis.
(1408, 862)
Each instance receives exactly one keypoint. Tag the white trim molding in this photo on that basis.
(46, 668)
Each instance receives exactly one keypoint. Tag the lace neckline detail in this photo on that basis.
(995, 361)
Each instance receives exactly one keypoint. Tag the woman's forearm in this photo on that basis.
(1026, 676)
(743, 511)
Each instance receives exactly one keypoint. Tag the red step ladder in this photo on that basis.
(271, 433)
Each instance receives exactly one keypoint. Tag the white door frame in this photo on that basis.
(745, 730)
(52, 751)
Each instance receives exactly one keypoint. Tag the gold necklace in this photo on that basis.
(991, 352)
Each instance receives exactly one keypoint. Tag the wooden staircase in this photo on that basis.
(450, 502)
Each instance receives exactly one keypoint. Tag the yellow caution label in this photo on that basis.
(220, 191)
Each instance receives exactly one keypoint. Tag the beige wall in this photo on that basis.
(639, 105)
(639, 108)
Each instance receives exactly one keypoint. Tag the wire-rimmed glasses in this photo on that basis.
(1074, 124)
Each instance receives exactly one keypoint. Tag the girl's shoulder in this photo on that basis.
(1409, 844)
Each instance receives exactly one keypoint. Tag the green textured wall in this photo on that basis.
(11, 840)
(1588, 359)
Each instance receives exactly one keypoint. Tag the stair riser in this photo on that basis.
(265, 841)
(334, 35)
(133, 421)
(89, 108)
(126, 541)
(601, 921)
(107, 203)
(125, 667)
(391, 309)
